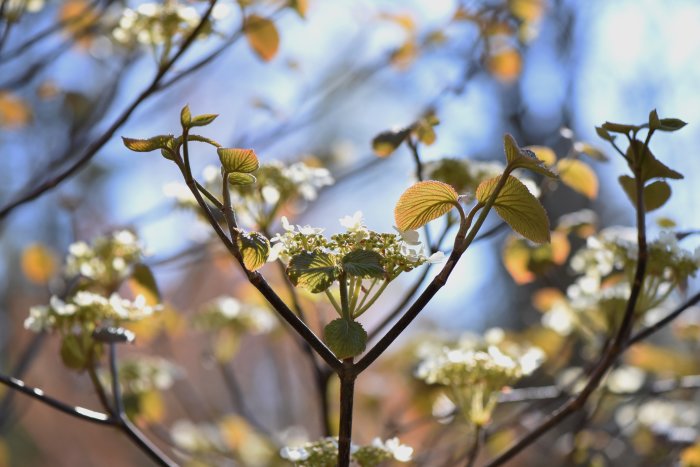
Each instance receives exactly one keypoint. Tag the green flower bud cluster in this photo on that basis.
(324, 453)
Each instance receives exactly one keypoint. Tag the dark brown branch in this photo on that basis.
(347, 389)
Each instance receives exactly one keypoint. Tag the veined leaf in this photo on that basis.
(579, 176)
(656, 194)
(313, 271)
(386, 142)
(524, 158)
(518, 207)
(423, 202)
(147, 145)
(142, 282)
(202, 139)
(185, 117)
(363, 263)
(255, 249)
(262, 36)
(238, 178)
(238, 160)
(202, 120)
(345, 338)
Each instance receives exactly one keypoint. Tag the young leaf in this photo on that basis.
(654, 122)
(524, 158)
(345, 338)
(386, 142)
(238, 178)
(651, 166)
(313, 271)
(423, 202)
(147, 145)
(262, 36)
(656, 194)
(142, 282)
(203, 120)
(518, 207)
(671, 124)
(202, 139)
(238, 160)
(603, 133)
(619, 127)
(255, 249)
(363, 263)
(185, 117)
(579, 177)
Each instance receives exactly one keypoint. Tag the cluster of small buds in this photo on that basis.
(324, 453)
(400, 252)
(227, 312)
(474, 371)
(87, 310)
(107, 260)
(138, 375)
(155, 23)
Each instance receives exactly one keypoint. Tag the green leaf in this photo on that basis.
(603, 133)
(203, 120)
(238, 178)
(147, 145)
(255, 249)
(518, 207)
(313, 271)
(423, 202)
(579, 176)
(143, 282)
(387, 142)
(238, 160)
(656, 194)
(72, 353)
(202, 139)
(524, 158)
(262, 36)
(620, 128)
(671, 124)
(654, 122)
(363, 263)
(425, 132)
(651, 166)
(185, 117)
(345, 338)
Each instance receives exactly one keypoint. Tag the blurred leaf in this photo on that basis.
(345, 338)
(363, 263)
(544, 299)
(142, 282)
(4, 454)
(72, 352)
(655, 194)
(15, 113)
(423, 202)
(404, 56)
(39, 263)
(651, 166)
(578, 176)
(543, 153)
(300, 6)
(526, 10)
(386, 142)
(518, 207)
(524, 261)
(524, 158)
(591, 151)
(603, 133)
(666, 223)
(238, 160)
(262, 36)
(662, 361)
(226, 345)
(255, 249)
(78, 16)
(690, 456)
(620, 127)
(505, 65)
(671, 124)
(424, 132)
(151, 407)
(313, 271)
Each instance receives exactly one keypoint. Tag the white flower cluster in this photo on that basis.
(679, 421)
(197, 437)
(226, 311)
(142, 374)
(107, 260)
(86, 308)
(308, 179)
(324, 452)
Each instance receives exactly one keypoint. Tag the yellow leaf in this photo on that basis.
(262, 36)
(544, 299)
(690, 457)
(402, 19)
(405, 55)
(579, 176)
(505, 65)
(151, 407)
(662, 361)
(238, 160)
(527, 10)
(14, 112)
(544, 154)
(300, 6)
(560, 248)
(38, 263)
(423, 202)
(516, 257)
(254, 248)
(78, 16)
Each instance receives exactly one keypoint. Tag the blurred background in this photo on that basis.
(76, 75)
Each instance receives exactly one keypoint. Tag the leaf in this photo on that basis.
(423, 202)
(313, 271)
(603, 133)
(202, 139)
(505, 65)
(517, 157)
(203, 120)
(424, 132)
(578, 176)
(671, 124)
(39, 263)
(72, 353)
(655, 195)
(386, 142)
(300, 6)
(345, 338)
(527, 10)
(654, 122)
(185, 117)
(238, 178)
(147, 145)
(262, 36)
(255, 249)
(620, 128)
(591, 151)
(651, 166)
(363, 263)
(518, 207)
(142, 282)
(543, 153)
(14, 112)
(238, 160)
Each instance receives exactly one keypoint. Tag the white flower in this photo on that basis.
(125, 237)
(353, 223)
(62, 308)
(294, 454)
(270, 194)
(410, 237)
(38, 319)
(437, 257)
(393, 446)
(308, 230)
(286, 225)
(275, 251)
